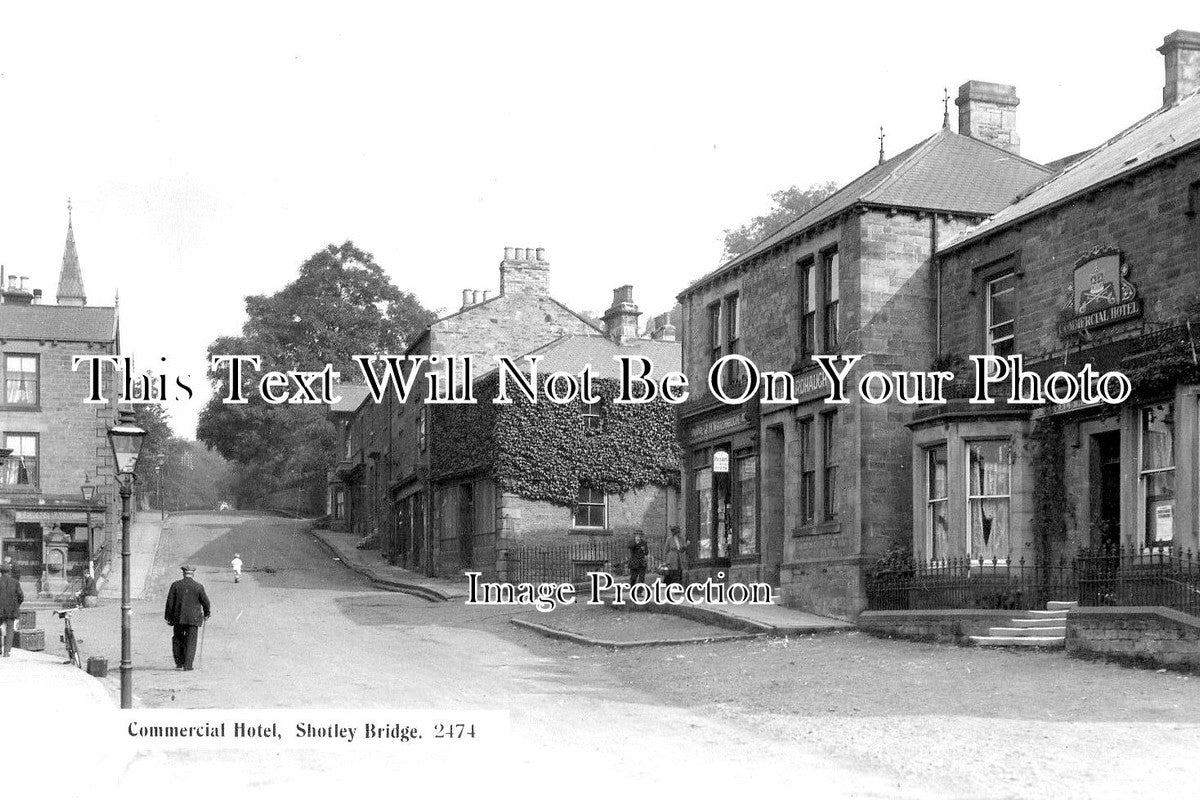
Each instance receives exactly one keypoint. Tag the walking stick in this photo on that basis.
(200, 649)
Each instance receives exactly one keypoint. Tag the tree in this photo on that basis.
(789, 205)
(341, 304)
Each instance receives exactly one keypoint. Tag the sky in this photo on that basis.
(208, 150)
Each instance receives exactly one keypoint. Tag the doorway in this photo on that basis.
(1106, 489)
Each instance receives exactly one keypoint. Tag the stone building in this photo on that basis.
(1096, 266)
(52, 442)
(804, 495)
(384, 475)
(483, 519)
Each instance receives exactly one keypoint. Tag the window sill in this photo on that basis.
(591, 532)
(818, 529)
(25, 407)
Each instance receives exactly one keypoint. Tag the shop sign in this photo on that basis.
(714, 427)
(1100, 293)
(70, 517)
(813, 382)
(720, 461)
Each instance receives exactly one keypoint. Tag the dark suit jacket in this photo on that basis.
(187, 604)
(11, 597)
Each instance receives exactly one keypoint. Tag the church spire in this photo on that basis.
(70, 279)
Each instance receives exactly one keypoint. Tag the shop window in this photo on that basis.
(989, 470)
(704, 506)
(832, 280)
(808, 310)
(591, 509)
(21, 466)
(21, 380)
(1001, 313)
(829, 463)
(592, 421)
(936, 526)
(1157, 474)
(808, 473)
(747, 499)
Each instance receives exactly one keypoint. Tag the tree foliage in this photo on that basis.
(789, 204)
(340, 305)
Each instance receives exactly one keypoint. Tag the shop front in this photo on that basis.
(52, 549)
(722, 496)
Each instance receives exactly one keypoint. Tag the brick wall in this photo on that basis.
(947, 626)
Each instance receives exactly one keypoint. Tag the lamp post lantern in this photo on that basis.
(126, 441)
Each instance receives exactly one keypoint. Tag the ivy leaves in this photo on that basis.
(542, 451)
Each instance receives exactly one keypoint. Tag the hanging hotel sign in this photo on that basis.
(1100, 293)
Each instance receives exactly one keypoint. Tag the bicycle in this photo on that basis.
(68, 637)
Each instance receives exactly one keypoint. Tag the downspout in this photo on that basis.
(936, 264)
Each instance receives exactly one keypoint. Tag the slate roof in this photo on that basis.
(947, 172)
(1166, 132)
(60, 323)
(352, 396)
(571, 352)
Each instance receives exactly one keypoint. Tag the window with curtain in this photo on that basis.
(936, 526)
(21, 379)
(989, 471)
(1156, 474)
(21, 467)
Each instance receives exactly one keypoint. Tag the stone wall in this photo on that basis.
(947, 626)
(1148, 634)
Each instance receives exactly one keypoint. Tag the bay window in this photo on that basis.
(989, 476)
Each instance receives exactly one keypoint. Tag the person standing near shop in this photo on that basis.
(187, 609)
(638, 550)
(11, 598)
(674, 557)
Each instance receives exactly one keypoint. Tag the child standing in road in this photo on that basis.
(237, 567)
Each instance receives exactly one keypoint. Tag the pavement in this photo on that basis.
(370, 564)
(145, 530)
(773, 619)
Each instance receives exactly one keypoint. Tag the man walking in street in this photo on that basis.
(237, 567)
(11, 598)
(187, 609)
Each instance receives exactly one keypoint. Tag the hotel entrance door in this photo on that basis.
(1106, 489)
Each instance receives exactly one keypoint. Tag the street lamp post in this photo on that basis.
(126, 441)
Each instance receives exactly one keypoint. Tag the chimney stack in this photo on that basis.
(661, 329)
(621, 320)
(988, 112)
(525, 270)
(1181, 56)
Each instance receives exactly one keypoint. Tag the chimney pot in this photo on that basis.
(520, 254)
(508, 254)
(988, 112)
(476, 297)
(486, 294)
(466, 298)
(541, 254)
(1181, 58)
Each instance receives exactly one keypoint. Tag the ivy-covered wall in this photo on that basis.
(540, 451)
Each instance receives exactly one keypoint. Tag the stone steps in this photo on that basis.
(1046, 628)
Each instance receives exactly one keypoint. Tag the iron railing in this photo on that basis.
(1116, 576)
(532, 563)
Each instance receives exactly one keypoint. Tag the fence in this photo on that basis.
(1104, 576)
(533, 563)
